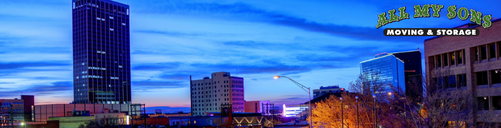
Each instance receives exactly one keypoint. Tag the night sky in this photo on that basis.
(315, 42)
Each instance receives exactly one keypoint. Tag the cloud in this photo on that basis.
(41, 89)
(245, 12)
(266, 66)
(151, 84)
(179, 75)
(157, 66)
(19, 65)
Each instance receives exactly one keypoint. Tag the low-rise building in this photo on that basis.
(324, 90)
(256, 106)
(14, 111)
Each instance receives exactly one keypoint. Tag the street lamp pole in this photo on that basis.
(307, 89)
(342, 120)
(375, 111)
(358, 125)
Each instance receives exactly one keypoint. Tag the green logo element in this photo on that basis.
(424, 12)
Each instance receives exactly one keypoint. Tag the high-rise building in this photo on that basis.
(413, 73)
(402, 69)
(101, 52)
(208, 94)
(469, 64)
(388, 68)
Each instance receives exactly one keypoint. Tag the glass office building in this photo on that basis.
(101, 52)
(389, 67)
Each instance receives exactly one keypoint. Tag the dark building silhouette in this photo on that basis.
(101, 52)
(413, 73)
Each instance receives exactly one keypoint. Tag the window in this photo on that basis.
(483, 52)
(496, 76)
(439, 61)
(451, 82)
(452, 57)
(445, 59)
(440, 83)
(123, 24)
(111, 17)
(462, 80)
(460, 56)
(483, 103)
(492, 51)
(481, 78)
(496, 102)
(111, 29)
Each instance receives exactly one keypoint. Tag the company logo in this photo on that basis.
(424, 12)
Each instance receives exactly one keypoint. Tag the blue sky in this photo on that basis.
(317, 43)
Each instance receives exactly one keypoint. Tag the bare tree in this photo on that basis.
(445, 103)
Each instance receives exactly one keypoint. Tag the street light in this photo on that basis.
(375, 111)
(307, 89)
(22, 124)
(356, 97)
(342, 121)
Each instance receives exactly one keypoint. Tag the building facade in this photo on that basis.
(295, 110)
(413, 73)
(257, 106)
(16, 110)
(208, 94)
(43, 113)
(469, 63)
(101, 52)
(388, 67)
(324, 90)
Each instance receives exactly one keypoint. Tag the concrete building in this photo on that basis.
(469, 63)
(256, 106)
(101, 52)
(324, 90)
(208, 94)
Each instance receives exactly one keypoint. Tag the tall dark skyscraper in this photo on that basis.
(101, 52)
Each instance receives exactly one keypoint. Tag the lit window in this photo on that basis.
(83, 63)
(123, 24)
(77, 77)
(109, 85)
(98, 51)
(111, 29)
(111, 17)
(103, 52)
(119, 66)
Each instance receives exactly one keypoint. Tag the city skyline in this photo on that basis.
(315, 43)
